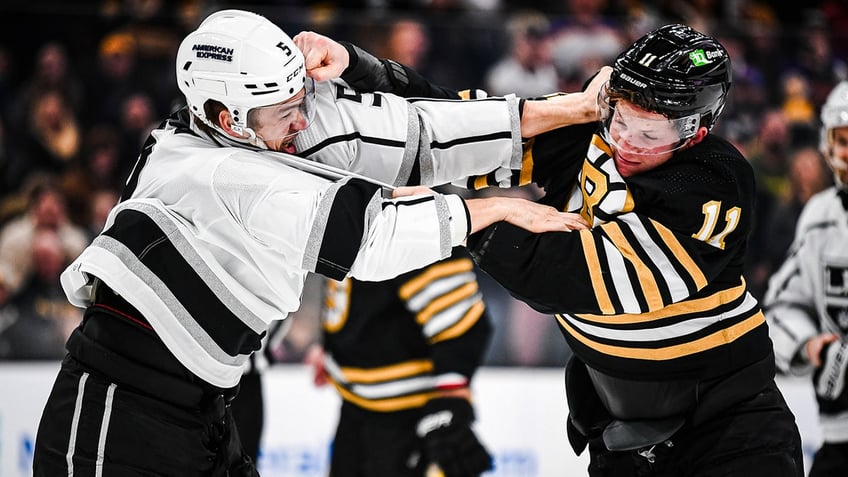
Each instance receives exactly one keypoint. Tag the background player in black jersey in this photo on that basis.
(401, 354)
(673, 369)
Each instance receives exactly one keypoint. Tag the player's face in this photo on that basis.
(278, 124)
(641, 139)
(838, 153)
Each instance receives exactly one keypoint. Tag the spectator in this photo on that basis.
(52, 72)
(98, 168)
(114, 79)
(46, 211)
(814, 57)
(527, 68)
(584, 42)
(44, 318)
(808, 175)
(138, 118)
(748, 98)
(52, 138)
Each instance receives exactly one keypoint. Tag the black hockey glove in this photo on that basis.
(829, 378)
(448, 441)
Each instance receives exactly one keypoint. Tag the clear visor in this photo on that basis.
(634, 131)
(283, 121)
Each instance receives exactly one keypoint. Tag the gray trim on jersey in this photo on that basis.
(193, 259)
(319, 226)
(411, 151)
(515, 119)
(425, 158)
(443, 213)
(164, 295)
(372, 210)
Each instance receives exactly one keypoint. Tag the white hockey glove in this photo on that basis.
(829, 378)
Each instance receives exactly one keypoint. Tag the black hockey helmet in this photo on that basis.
(676, 71)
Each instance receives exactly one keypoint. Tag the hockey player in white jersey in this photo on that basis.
(211, 242)
(807, 298)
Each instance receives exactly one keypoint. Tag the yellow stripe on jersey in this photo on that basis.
(439, 270)
(650, 289)
(714, 340)
(526, 175)
(481, 182)
(681, 254)
(445, 301)
(594, 265)
(598, 142)
(685, 307)
(402, 370)
(411, 401)
(471, 316)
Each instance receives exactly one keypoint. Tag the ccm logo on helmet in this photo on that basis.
(294, 73)
(213, 52)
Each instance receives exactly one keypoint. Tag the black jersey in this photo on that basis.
(391, 345)
(654, 290)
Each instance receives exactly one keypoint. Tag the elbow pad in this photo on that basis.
(366, 72)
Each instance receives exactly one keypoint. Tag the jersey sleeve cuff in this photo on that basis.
(460, 219)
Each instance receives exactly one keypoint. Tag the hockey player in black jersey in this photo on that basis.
(807, 299)
(673, 369)
(401, 354)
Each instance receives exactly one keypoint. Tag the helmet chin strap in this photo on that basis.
(252, 140)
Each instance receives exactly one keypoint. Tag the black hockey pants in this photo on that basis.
(123, 406)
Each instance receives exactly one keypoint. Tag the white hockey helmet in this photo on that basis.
(834, 114)
(243, 61)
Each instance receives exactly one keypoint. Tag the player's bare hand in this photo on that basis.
(542, 218)
(315, 359)
(522, 213)
(325, 58)
(407, 191)
(591, 92)
(814, 347)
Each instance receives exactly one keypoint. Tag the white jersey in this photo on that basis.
(808, 295)
(402, 141)
(212, 243)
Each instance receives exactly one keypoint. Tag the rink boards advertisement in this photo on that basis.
(521, 419)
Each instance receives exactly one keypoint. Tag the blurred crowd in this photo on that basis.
(82, 84)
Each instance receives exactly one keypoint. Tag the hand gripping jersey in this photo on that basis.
(808, 295)
(654, 290)
(391, 345)
(212, 243)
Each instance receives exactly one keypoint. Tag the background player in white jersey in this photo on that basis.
(212, 240)
(807, 299)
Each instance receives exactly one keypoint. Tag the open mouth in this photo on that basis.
(288, 148)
